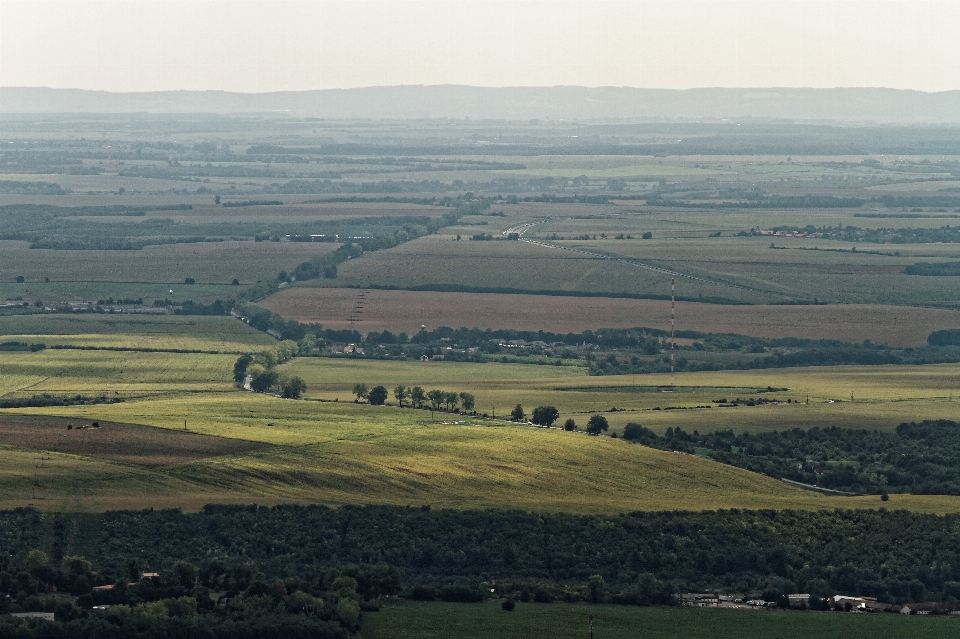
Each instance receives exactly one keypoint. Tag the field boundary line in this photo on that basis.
(638, 264)
(122, 349)
(826, 491)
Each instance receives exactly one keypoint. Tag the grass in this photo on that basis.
(224, 334)
(741, 269)
(114, 373)
(883, 396)
(217, 262)
(520, 266)
(340, 453)
(559, 621)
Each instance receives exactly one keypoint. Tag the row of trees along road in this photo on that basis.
(547, 415)
(416, 397)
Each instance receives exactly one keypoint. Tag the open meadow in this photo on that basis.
(421, 620)
(328, 449)
(134, 332)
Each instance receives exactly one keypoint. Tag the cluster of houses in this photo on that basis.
(801, 600)
(773, 233)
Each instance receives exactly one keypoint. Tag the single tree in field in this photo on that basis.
(418, 396)
(292, 387)
(400, 394)
(468, 401)
(517, 414)
(570, 424)
(377, 395)
(262, 379)
(545, 415)
(597, 424)
(240, 368)
(436, 398)
(450, 400)
(360, 390)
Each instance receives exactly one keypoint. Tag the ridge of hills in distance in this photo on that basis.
(877, 105)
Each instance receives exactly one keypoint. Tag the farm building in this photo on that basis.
(699, 600)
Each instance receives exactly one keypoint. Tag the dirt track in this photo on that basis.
(406, 311)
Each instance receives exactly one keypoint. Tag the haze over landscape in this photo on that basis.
(256, 47)
(476, 319)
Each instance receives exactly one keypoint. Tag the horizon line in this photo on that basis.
(473, 86)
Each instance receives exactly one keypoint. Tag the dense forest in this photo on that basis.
(920, 458)
(229, 558)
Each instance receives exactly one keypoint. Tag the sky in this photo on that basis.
(279, 45)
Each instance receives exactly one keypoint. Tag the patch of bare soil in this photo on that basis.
(128, 443)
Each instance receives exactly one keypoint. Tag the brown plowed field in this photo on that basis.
(128, 443)
(406, 311)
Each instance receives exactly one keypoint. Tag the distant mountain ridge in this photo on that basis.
(861, 105)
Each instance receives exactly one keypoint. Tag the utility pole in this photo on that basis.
(672, 322)
(590, 621)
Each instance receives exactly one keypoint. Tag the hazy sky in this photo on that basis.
(267, 45)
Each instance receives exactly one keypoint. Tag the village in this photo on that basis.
(798, 601)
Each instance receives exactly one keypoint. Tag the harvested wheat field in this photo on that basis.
(128, 443)
(406, 311)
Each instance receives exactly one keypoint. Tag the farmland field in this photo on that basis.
(115, 373)
(406, 311)
(520, 267)
(127, 443)
(134, 331)
(205, 262)
(481, 621)
(882, 396)
(336, 451)
(336, 454)
(125, 372)
(726, 268)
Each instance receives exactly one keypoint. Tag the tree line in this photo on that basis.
(917, 457)
(326, 265)
(896, 556)
(260, 367)
(417, 397)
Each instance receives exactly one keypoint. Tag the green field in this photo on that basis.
(336, 451)
(134, 331)
(727, 268)
(560, 621)
(882, 396)
(126, 397)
